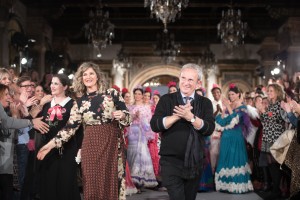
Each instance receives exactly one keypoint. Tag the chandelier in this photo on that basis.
(166, 47)
(231, 29)
(166, 10)
(207, 60)
(122, 60)
(99, 30)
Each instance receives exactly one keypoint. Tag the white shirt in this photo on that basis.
(215, 103)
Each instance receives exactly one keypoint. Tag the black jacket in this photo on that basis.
(174, 140)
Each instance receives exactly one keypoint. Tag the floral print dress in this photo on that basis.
(102, 153)
(138, 156)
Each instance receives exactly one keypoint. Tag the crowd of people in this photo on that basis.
(59, 134)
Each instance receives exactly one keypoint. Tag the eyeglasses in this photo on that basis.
(26, 86)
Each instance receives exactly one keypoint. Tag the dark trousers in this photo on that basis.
(22, 158)
(177, 187)
(6, 186)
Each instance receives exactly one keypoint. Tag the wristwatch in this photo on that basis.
(193, 119)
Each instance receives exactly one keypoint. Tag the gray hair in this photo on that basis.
(195, 67)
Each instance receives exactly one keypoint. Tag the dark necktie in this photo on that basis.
(186, 99)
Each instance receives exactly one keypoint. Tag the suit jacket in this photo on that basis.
(174, 139)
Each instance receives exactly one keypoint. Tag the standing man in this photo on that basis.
(183, 118)
(26, 99)
(215, 137)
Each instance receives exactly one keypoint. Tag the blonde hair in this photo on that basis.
(278, 90)
(4, 72)
(78, 85)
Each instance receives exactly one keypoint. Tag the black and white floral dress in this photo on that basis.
(103, 150)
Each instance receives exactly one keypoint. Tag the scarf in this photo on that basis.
(193, 159)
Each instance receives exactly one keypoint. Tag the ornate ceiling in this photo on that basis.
(135, 29)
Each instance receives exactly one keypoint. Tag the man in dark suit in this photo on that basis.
(183, 118)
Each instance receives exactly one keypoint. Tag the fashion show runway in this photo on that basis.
(156, 195)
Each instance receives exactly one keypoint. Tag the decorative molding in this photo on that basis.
(150, 72)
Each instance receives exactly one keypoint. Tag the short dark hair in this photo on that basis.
(23, 79)
(215, 88)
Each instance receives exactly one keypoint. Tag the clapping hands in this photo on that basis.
(260, 107)
(226, 103)
(184, 111)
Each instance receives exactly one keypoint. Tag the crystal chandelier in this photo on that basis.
(231, 29)
(207, 60)
(122, 60)
(166, 47)
(166, 10)
(99, 30)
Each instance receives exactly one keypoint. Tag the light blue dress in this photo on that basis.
(233, 171)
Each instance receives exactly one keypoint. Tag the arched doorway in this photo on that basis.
(242, 85)
(152, 72)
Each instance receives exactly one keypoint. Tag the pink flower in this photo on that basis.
(270, 114)
(232, 85)
(171, 84)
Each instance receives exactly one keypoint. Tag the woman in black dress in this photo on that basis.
(58, 178)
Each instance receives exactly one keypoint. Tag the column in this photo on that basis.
(268, 50)
(118, 71)
(210, 80)
(39, 30)
(289, 39)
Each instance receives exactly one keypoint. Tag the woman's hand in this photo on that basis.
(39, 125)
(295, 106)
(285, 106)
(45, 150)
(78, 157)
(14, 109)
(118, 115)
(226, 103)
(46, 99)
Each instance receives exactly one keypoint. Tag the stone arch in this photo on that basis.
(151, 72)
(242, 85)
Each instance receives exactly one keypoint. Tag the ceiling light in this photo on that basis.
(99, 30)
(61, 71)
(166, 10)
(231, 29)
(23, 61)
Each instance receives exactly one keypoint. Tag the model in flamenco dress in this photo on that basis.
(130, 187)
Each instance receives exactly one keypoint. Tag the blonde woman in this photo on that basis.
(273, 126)
(5, 77)
(104, 115)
